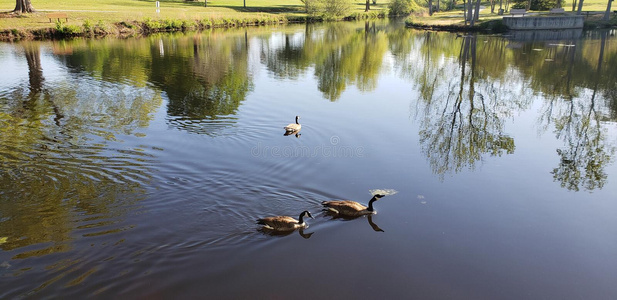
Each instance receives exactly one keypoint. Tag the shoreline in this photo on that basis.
(123, 29)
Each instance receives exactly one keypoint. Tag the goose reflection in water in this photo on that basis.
(369, 218)
(278, 233)
(296, 133)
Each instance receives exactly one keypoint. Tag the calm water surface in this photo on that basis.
(136, 168)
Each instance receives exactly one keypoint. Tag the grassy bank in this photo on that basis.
(134, 17)
(139, 17)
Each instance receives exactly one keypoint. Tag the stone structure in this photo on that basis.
(544, 22)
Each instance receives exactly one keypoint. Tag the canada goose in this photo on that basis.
(284, 223)
(294, 127)
(351, 208)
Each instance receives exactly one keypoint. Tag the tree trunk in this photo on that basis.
(607, 14)
(573, 5)
(470, 12)
(368, 5)
(23, 6)
(465, 11)
(580, 7)
(476, 13)
(206, 3)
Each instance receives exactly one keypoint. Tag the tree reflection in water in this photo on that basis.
(60, 163)
(462, 117)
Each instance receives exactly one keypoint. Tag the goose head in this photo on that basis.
(303, 214)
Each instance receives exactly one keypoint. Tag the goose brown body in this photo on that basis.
(284, 223)
(293, 126)
(351, 208)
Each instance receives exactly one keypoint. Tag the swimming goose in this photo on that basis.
(293, 127)
(351, 208)
(284, 223)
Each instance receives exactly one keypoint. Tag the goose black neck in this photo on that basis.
(297, 120)
(301, 218)
(370, 203)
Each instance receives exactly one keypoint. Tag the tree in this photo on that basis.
(23, 6)
(580, 7)
(607, 14)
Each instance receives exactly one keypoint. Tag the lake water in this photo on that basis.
(136, 168)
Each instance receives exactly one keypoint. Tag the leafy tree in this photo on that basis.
(462, 116)
(403, 7)
(329, 9)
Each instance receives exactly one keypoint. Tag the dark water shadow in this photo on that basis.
(369, 219)
(296, 133)
(276, 233)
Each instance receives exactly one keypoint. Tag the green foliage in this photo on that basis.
(152, 25)
(328, 9)
(496, 26)
(67, 30)
(337, 8)
(313, 7)
(447, 5)
(535, 4)
(368, 15)
(128, 25)
(88, 26)
(403, 7)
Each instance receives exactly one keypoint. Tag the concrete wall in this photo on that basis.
(544, 35)
(557, 22)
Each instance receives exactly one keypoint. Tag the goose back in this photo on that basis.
(280, 223)
(347, 208)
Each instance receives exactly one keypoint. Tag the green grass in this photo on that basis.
(102, 16)
(115, 11)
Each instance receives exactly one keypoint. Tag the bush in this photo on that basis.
(313, 7)
(328, 9)
(88, 26)
(152, 25)
(337, 8)
(535, 4)
(403, 7)
(496, 26)
(67, 30)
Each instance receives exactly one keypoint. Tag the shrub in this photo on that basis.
(403, 7)
(337, 8)
(535, 4)
(496, 26)
(67, 30)
(328, 9)
(314, 7)
(152, 25)
(88, 26)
